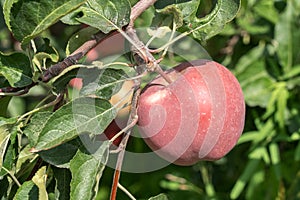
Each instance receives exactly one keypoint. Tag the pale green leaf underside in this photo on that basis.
(159, 197)
(5, 126)
(208, 26)
(105, 15)
(212, 24)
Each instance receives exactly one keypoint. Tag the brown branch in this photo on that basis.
(15, 91)
(56, 69)
(138, 9)
(132, 120)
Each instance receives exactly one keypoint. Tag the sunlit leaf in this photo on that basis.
(86, 172)
(81, 116)
(39, 180)
(107, 82)
(35, 126)
(205, 27)
(159, 197)
(275, 158)
(105, 15)
(27, 191)
(7, 151)
(27, 19)
(45, 54)
(24, 158)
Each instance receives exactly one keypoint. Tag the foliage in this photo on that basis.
(43, 154)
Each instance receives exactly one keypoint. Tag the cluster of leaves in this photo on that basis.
(43, 155)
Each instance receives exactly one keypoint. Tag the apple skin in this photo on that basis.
(199, 116)
(112, 129)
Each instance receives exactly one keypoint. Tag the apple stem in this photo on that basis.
(145, 60)
(163, 74)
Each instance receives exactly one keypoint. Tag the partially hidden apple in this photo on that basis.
(112, 129)
(199, 116)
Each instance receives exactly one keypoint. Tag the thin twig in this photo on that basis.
(139, 8)
(122, 146)
(56, 69)
(12, 176)
(52, 103)
(126, 191)
(16, 91)
(124, 130)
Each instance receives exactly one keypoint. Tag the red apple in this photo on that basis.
(199, 116)
(76, 83)
(112, 129)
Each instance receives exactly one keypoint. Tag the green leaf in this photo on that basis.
(28, 191)
(45, 54)
(36, 125)
(159, 197)
(293, 192)
(81, 116)
(288, 45)
(297, 152)
(4, 101)
(107, 82)
(39, 180)
(257, 84)
(244, 178)
(251, 27)
(105, 15)
(266, 9)
(275, 158)
(79, 38)
(63, 179)
(25, 157)
(102, 83)
(27, 19)
(7, 133)
(16, 69)
(212, 24)
(167, 16)
(202, 28)
(61, 155)
(281, 108)
(59, 82)
(86, 172)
